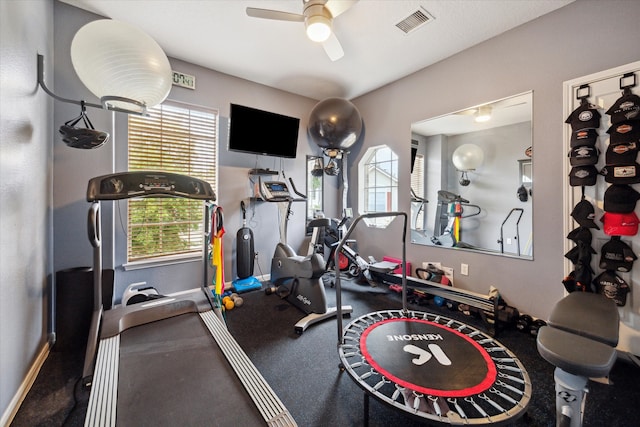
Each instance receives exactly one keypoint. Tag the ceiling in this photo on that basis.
(218, 34)
(503, 112)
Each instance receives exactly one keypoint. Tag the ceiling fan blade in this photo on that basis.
(274, 14)
(336, 7)
(333, 47)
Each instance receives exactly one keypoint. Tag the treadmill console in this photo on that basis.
(274, 191)
(126, 185)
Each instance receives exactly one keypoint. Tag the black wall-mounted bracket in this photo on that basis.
(625, 84)
(104, 100)
(583, 93)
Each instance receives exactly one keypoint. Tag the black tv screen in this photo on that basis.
(262, 132)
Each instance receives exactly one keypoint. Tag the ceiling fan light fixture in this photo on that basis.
(318, 28)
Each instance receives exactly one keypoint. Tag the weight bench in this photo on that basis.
(579, 340)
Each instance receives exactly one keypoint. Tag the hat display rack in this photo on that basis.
(620, 172)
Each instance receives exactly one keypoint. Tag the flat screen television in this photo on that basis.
(262, 132)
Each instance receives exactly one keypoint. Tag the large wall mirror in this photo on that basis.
(472, 181)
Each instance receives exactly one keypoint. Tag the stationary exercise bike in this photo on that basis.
(297, 278)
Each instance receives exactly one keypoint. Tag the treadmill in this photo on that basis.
(169, 361)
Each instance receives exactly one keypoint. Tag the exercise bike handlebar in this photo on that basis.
(295, 190)
(342, 242)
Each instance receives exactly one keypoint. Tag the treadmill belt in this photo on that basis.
(173, 373)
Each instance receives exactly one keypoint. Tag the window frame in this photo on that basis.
(201, 151)
(365, 166)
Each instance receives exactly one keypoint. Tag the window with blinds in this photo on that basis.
(175, 138)
(417, 185)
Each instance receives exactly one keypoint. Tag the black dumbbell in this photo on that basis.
(524, 323)
(535, 326)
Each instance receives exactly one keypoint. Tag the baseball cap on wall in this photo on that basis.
(627, 107)
(620, 224)
(584, 214)
(583, 155)
(620, 199)
(609, 284)
(580, 234)
(583, 175)
(621, 174)
(616, 255)
(583, 137)
(625, 153)
(584, 117)
(627, 131)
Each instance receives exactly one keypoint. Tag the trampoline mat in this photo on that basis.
(427, 357)
(434, 368)
(172, 373)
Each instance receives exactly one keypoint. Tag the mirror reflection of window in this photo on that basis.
(526, 172)
(378, 182)
(418, 200)
(315, 186)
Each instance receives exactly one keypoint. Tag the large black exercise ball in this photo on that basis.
(335, 123)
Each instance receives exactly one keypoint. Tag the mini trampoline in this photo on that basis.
(429, 366)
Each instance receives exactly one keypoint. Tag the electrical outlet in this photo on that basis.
(508, 240)
(464, 269)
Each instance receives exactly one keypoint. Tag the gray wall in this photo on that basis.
(582, 38)
(26, 133)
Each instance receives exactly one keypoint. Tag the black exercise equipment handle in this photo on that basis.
(343, 241)
(295, 190)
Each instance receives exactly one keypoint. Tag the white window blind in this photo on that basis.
(175, 138)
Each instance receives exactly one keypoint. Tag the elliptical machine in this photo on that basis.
(298, 278)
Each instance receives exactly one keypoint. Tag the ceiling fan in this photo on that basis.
(317, 16)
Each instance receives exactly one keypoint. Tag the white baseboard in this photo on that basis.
(11, 411)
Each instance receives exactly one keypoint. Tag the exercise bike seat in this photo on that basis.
(287, 264)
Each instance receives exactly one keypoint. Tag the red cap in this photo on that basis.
(620, 224)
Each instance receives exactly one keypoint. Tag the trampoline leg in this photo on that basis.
(366, 410)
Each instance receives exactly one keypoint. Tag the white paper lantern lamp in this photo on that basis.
(121, 65)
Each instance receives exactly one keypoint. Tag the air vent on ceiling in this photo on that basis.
(415, 21)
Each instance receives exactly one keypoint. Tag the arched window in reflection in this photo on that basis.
(378, 182)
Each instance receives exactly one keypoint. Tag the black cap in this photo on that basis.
(622, 154)
(617, 255)
(583, 155)
(583, 175)
(609, 284)
(627, 107)
(580, 253)
(584, 137)
(586, 116)
(627, 131)
(584, 214)
(620, 199)
(621, 174)
(580, 234)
